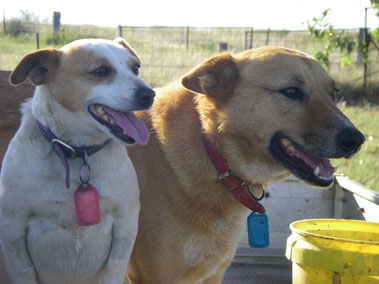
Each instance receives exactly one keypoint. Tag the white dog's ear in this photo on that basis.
(123, 42)
(36, 66)
(215, 77)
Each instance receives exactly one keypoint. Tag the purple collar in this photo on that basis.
(65, 151)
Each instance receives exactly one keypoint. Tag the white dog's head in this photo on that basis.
(94, 80)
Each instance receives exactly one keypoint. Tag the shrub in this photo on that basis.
(64, 36)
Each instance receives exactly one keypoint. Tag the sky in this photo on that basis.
(259, 14)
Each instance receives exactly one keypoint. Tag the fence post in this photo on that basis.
(56, 21)
(4, 22)
(37, 39)
(187, 37)
(366, 42)
(267, 36)
(246, 39)
(222, 46)
(251, 38)
(361, 43)
(120, 30)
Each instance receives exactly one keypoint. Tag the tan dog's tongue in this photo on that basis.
(133, 127)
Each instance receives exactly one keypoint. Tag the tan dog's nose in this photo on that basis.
(350, 140)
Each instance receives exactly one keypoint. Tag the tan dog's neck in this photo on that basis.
(185, 115)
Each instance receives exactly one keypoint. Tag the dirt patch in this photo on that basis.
(10, 99)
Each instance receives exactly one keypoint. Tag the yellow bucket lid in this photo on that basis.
(346, 246)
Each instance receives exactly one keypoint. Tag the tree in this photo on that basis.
(325, 33)
(375, 33)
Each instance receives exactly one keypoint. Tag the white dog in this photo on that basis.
(67, 166)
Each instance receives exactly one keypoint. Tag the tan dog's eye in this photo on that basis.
(102, 71)
(136, 69)
(293, 93)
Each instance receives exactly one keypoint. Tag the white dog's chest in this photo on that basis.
(67, 244)
(61, 249)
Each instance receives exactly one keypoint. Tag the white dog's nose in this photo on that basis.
(145, 97)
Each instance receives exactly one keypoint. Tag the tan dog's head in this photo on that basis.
(93, 80)
(272, 112)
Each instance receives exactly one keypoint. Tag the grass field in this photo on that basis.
(168, 53)
(364, 166)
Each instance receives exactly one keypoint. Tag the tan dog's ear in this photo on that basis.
(215, 77)
(123, 42)
(35, 66)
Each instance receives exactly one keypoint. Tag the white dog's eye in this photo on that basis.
(136, 69)
(102, 71)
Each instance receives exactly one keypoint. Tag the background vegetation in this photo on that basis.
(364, 166)
(168, 53)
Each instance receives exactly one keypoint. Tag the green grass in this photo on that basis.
(364, 166)
(12, 49)
(165, 56)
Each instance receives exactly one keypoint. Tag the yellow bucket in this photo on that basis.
(334, 251)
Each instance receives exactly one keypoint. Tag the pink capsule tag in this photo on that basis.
(87, 205)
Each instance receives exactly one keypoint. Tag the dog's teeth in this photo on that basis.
(106, 117)
(291, 148)
(316, 172)
(100, 110)
(285, 142)
(123, 132)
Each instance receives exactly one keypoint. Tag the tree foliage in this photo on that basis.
(375, 33)
(375, 4)
(325, 33)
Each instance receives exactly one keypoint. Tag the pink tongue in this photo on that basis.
(133, 127)
(326, 169)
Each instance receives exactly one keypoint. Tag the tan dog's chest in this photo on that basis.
(202, 250)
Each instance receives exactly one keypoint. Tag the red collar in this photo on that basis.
(240, 188)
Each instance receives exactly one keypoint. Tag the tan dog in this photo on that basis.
(270, 112)
(55, 226)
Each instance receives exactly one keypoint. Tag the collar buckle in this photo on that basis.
(240, 188)
(224, 175)
(65, 145)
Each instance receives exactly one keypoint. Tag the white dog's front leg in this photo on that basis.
(13, 241)
(122, 245)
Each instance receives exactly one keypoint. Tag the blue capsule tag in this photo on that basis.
(257, 228)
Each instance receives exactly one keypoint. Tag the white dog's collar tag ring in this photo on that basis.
(87, 204)
(257, 228)
(85, 171)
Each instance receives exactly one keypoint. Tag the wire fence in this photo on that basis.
(167, 53)
(170, 52)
